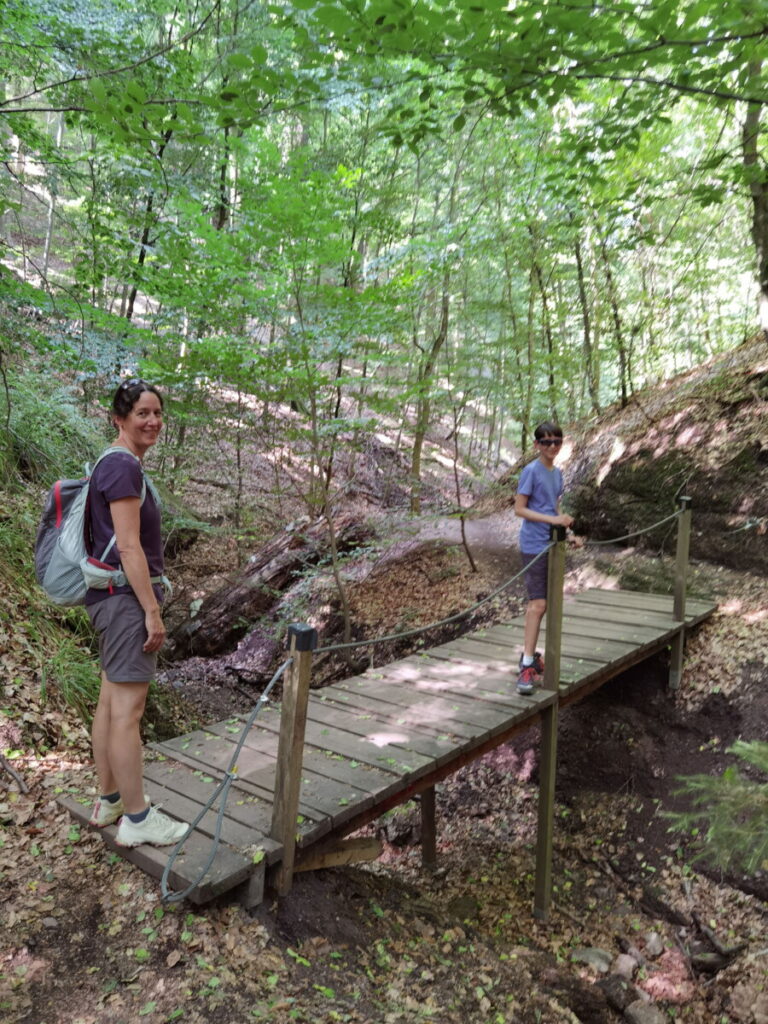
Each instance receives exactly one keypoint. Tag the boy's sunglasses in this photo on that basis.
(547, 442)
(133, 382)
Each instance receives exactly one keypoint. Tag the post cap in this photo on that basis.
(684, 502)
(556, 533)
(306, 636)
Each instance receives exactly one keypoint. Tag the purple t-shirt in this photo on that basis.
(544, 488)
(119, 475)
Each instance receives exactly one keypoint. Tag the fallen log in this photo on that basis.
(230, 612)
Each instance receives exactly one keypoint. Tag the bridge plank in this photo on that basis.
(574, 642)
(230, 868)
(396, 720)
(322, 763)
(431, 708)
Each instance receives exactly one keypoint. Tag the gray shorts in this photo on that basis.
(535, 576)
(119, 621)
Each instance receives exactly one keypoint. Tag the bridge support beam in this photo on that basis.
(428, 830)
(290, 752)
(549, 719)
(678, 603)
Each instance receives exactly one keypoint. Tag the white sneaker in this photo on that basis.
(157, 829)
(105, 813)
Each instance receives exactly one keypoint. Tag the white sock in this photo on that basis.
(527, 660)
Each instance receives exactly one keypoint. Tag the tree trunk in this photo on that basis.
(757, 178)
(423, 404)
(52, 201)
(589, 353)
(145, 234)
(228, 614)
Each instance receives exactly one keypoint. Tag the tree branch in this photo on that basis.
(109, 72)
(694, 90)
(23, 787)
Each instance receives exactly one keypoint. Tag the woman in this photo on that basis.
(128, 618)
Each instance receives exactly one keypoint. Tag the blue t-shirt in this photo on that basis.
(117, 476)
(544, 488)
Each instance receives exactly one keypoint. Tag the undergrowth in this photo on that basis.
(57, 642)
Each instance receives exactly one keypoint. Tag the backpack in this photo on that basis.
(63, 566)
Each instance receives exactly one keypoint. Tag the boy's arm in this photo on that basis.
(522, 510)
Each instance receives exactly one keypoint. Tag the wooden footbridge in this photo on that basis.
(332, 760)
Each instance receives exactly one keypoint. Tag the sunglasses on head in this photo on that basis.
(133, 382)
(547, 442)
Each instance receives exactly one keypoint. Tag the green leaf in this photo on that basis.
(240, 61)
(335, 18)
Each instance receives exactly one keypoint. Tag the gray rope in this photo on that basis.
(442, 622)
(750, 524)
(168, 895)
(637, 533)
(467, 611)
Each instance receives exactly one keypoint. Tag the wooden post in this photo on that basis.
(555, 578)
(549, 716)
(293, 722)
(428, 830)
(678, 603)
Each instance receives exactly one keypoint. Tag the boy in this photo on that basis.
(537, 503)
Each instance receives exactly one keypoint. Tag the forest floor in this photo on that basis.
(87, 940)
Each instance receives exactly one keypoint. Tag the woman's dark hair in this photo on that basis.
(127, 395)
(547, 429)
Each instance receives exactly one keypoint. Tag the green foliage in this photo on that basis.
(733, 809)
(58, 643)
(48, 436)
(296, 201)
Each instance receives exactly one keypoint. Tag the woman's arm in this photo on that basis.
(125, 518)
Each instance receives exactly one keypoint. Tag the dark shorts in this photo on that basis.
(119, 621)
(535, 576)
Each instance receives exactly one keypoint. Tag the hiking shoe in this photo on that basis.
(105, 813)
(538, 664)
(527, 680)
(157, 829)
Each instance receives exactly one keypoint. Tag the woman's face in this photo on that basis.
(142, 426)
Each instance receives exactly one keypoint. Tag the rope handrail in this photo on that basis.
(636, 533)
(467, 611)
(168, 895)
(441, 622)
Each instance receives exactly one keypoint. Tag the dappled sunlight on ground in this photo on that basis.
(586, 576)
(618, 449)
(752, 616)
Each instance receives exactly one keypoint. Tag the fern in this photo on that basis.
(732, 808)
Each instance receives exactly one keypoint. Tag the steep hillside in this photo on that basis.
(703, 434)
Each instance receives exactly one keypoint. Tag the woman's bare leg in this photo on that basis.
(117, 749)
